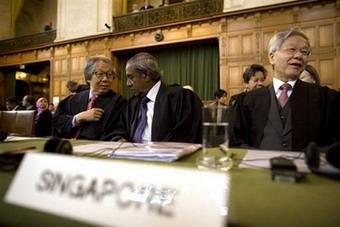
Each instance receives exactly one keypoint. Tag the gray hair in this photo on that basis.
(91, 65)
(145, 63)
(278, 39)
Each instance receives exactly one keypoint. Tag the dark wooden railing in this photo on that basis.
(174, 13)
(28, 42)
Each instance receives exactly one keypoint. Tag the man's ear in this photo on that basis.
(146, 76)
(271, 58)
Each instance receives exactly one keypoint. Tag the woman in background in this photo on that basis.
(253, 78)
(43, 119)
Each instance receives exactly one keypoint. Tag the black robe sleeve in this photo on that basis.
(177, 116)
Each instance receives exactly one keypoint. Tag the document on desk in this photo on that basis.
(152, 151)
(260, 159)
(21, 138)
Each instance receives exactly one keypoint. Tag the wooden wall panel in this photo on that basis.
(234, 76)
(75, 64)
(234, 46)
(326, 35)
(317, 12)
(240, 23)
(311, 33)
(267, 35)
(63, 90)
(327, 71)
(247, 44)
(205, 29)
(56, 88)
(64, 66)
(56, 66)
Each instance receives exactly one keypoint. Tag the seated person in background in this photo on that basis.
(90, 114)
(43, 119)
(253, 78)
(146, 5)
(289, 113)
(28, 102)
(221, 97)
(157, 112)
(310, 75)
(72, 86)
(51, 107)
(12, 103)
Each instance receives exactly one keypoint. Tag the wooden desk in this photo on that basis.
(255, 200)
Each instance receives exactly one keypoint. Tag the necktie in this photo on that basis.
(142, 119)
(283, 98)
(90, 105)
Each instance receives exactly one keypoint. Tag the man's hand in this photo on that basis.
(93, 114)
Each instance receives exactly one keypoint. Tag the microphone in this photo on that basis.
(59, 146)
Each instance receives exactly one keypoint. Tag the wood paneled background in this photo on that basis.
(243, 39)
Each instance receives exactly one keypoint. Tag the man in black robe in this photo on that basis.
(93, 113)
(309, 113)
(173, 113)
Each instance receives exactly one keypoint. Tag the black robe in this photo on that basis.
(177, 117)
(110, 102)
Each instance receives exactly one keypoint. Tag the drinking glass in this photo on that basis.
(215, 141)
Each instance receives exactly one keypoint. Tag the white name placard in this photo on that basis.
(120, 193)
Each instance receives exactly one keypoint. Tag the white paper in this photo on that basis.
(260, 159)
(153, 151)
(21, 138)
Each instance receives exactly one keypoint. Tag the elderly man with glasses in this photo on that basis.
(92, 113)
(289, 113)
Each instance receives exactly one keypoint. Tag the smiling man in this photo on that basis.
(157, 112)
(289, 113)
(93, 113)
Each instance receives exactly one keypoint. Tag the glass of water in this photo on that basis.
(215, 141)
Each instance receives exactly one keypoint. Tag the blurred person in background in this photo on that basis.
(43, 119)
(310, 75)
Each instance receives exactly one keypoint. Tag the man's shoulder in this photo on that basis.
(237, 96)
(114, 95)
(263, 91)
(174, 90)
(315, 89)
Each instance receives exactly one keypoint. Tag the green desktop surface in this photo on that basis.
(255, 200)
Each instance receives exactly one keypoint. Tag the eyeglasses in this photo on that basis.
(292, 51)
(109, 75)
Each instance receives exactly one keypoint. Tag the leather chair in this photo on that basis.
(18, 123)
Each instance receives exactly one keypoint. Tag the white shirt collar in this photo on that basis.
(154, 91)
(91, 93)
(277, 84)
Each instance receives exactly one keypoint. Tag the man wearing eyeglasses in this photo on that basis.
(289, 113)
(92, 113)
